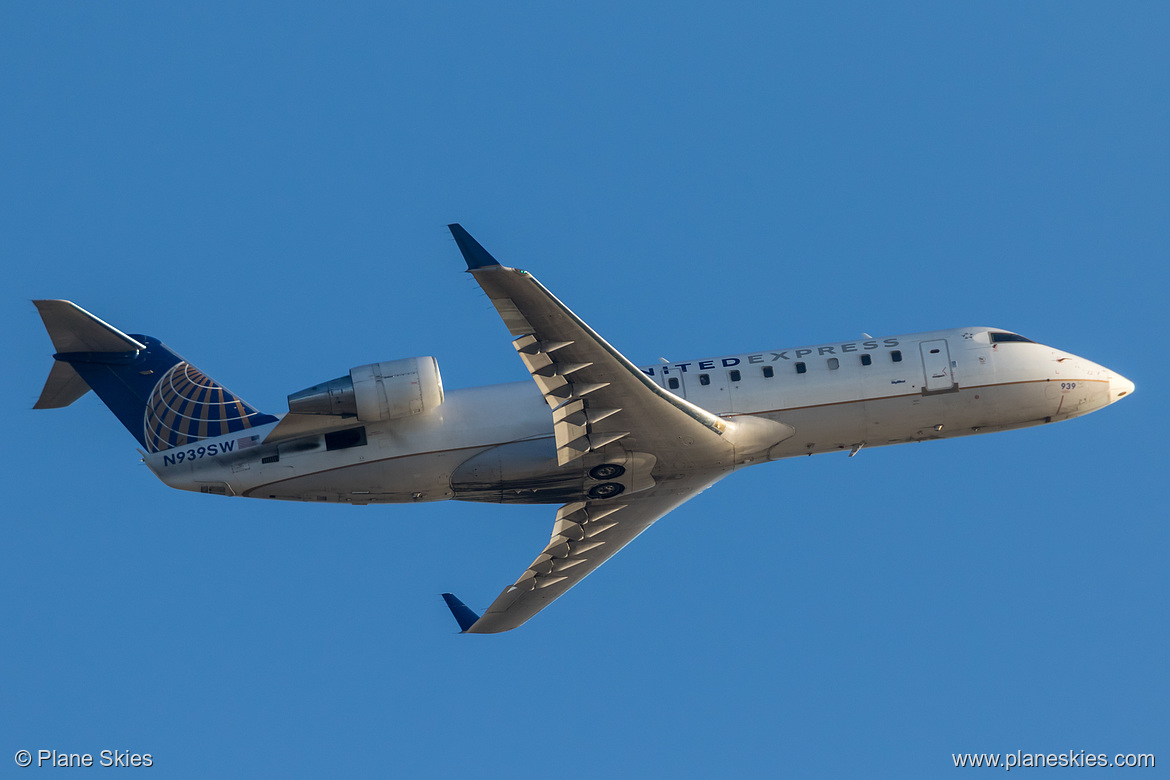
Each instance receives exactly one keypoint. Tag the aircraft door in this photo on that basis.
(936, 365)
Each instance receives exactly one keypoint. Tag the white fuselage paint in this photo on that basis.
(494, 443)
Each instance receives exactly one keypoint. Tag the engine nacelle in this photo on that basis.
(376, 392)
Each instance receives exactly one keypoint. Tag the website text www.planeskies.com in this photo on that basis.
(1070, 758)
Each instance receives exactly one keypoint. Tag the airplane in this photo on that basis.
(616, 445)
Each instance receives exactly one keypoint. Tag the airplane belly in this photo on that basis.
(522, 472)
(980, 409)
(1014, 403)
(839, 426)
(394, 480)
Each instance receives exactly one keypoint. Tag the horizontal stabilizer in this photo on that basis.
(463, 614)
(73, 329)
(63, 387)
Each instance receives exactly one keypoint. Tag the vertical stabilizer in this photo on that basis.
(74, 330)
(162, 400)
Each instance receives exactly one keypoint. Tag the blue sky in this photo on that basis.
(265, 188)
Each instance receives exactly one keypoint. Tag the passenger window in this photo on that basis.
(733, 374)
(704, 379)
(673, 382)
(896, 356)
(768, 372)
(834, 363)
(866, 360)
(801, 368)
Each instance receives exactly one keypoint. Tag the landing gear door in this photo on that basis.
(936, 364)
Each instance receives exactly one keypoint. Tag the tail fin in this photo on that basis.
(162, 400)
(74, 330)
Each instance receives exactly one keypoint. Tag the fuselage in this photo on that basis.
(495, 443)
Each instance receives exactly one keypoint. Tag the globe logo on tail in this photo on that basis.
(186, 406)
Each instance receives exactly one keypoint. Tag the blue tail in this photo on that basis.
(162, 400)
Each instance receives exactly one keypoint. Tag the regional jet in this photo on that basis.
(615, 445)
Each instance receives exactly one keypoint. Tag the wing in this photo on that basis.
(597, 396)
(586, 534)
(604, 406)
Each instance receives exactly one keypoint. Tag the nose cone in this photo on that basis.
(1119, 387)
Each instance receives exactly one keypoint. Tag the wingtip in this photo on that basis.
(475, 255)
(462, 613)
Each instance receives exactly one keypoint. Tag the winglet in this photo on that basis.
(463, 614)
(475, 255)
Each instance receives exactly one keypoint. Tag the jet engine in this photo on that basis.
(376, 392)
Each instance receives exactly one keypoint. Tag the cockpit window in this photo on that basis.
(1000, 338)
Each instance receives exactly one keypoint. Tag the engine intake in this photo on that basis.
(376, 392)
